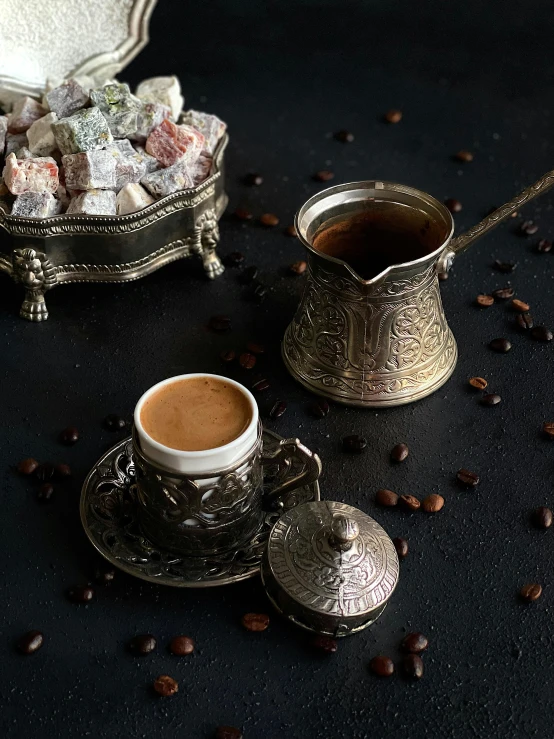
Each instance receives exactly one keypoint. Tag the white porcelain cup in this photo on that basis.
(207, 460)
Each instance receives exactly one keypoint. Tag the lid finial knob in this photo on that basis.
(344, 531)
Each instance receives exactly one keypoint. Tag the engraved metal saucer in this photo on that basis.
(108, 515)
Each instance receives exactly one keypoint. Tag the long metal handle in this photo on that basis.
(286, 453)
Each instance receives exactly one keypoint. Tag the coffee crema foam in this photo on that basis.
(196, 414)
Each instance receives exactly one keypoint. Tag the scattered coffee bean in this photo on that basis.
(45, 492)
(541, 333)
(220, 323)
(166, 686)
(243, 214)
(344, 137)
(528, 228)
(490, 399)
(142, 644)
(548, 429)
(255, 348)
(386, 498)
(255, 621)
(27, 466)
(399, 452)
(409, 502)
(319, 408)
(544, 246)
(479, 383)
(247, 360)
(234, 259)
(354, 444)
(253, 178)
(113, 422)
(181, 646)
(298, 268)
(69, 436)
(504, 267)
(277, 410)
(520, 306)
(542, 517)
(269, 220)
(503, 293)
(531, 592)
(290, 231)
(412, 667)
(248, 275)
(80, 595)
(484, 301)
(467, 478)
(500, 345)
(62, 471)
(432, 503)
(30, 642)
(525, 321)
(227, 732)
(104, 575)
(414, 643)
(393, 116)
(325, 644)
(228, 355)
(381, 666)
(261, 385)
(464, 156)
(45, 471)
(401, 546)
(324, 175)
(453, 205)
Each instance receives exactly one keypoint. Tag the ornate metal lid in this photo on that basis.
(330, 567)
(68, 38)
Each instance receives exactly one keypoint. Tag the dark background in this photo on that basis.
(285, 75)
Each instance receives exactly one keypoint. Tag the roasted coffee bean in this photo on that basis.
(432, 503)
(324, 175)
(548, 429)
(253, 178)
(243, 214)
(69, 436)
(500, 345)
(255, 348)
(30, 642)
(45, 471)
(410, 502)
(381, 666)
(344, 137)
(520, 306)
(503, 293)
(166, 686)
(464, 156)
(248, 275)
(45, 492)
(62, 471)
(544, 245)
(490, 399)
(220, 323)
(412, 667)
(142, 644)
(228, 355)
(255, 621)
(453, 205)
(528, 228)
(505, 267)
(467, 478)
(414, 643)
(484, 301)
(541, 333)
(325, 644)
(80, 595)
(113, 422)
(393, 116)
(181, 646)
(399, 452)
(27, 466)
(234, 259)
(525, 321)
(542, 517)
(319, 408)
(354, 444)
(531, 592)
(401, 546)
(277, 410)
(479, 383)
(298, 268)
(104, 575)
(269, 220)
(227, 732)
(261, 385)
(290, 231)
(386, 498)
(247, 360)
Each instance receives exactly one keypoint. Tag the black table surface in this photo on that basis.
(285, 75)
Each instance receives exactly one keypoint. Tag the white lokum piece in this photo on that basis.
(149, 117)
(30, 175)
(209, 125)
(24, 153)
(3, 132)
(94, 203)
(67, 98)
(151, 163)
(201, 168)
(165, 90)
(25, 111)
(119, 108)
(128, 168)
(85, 131)
(41, 137)
(169, 180)
(36, 205)
(15, 142)
(124, 146)
(90, 170)
(131, 198)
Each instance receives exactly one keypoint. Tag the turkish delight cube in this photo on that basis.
(41, 137)
(149, 117)
(25, 111)
(14, 142)
(209, 125)
(67, 98)
(36, 205)
(30, 175)
(201, 168)
(119, 107)
(3, 132)
(165, 90)
(169, 180)
(86, 130)
(90, 170)
(127, 167)
(151, 163)
(94, 203)
(24, 153)
(124, 146)
(169, 142)
(131, 198)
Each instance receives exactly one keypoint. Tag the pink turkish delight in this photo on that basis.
(93, 203)
(67, 99)
(210, 126)
(39, 174)
(36, 205)
(89, 170)
(169, 143)
(24, 113)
